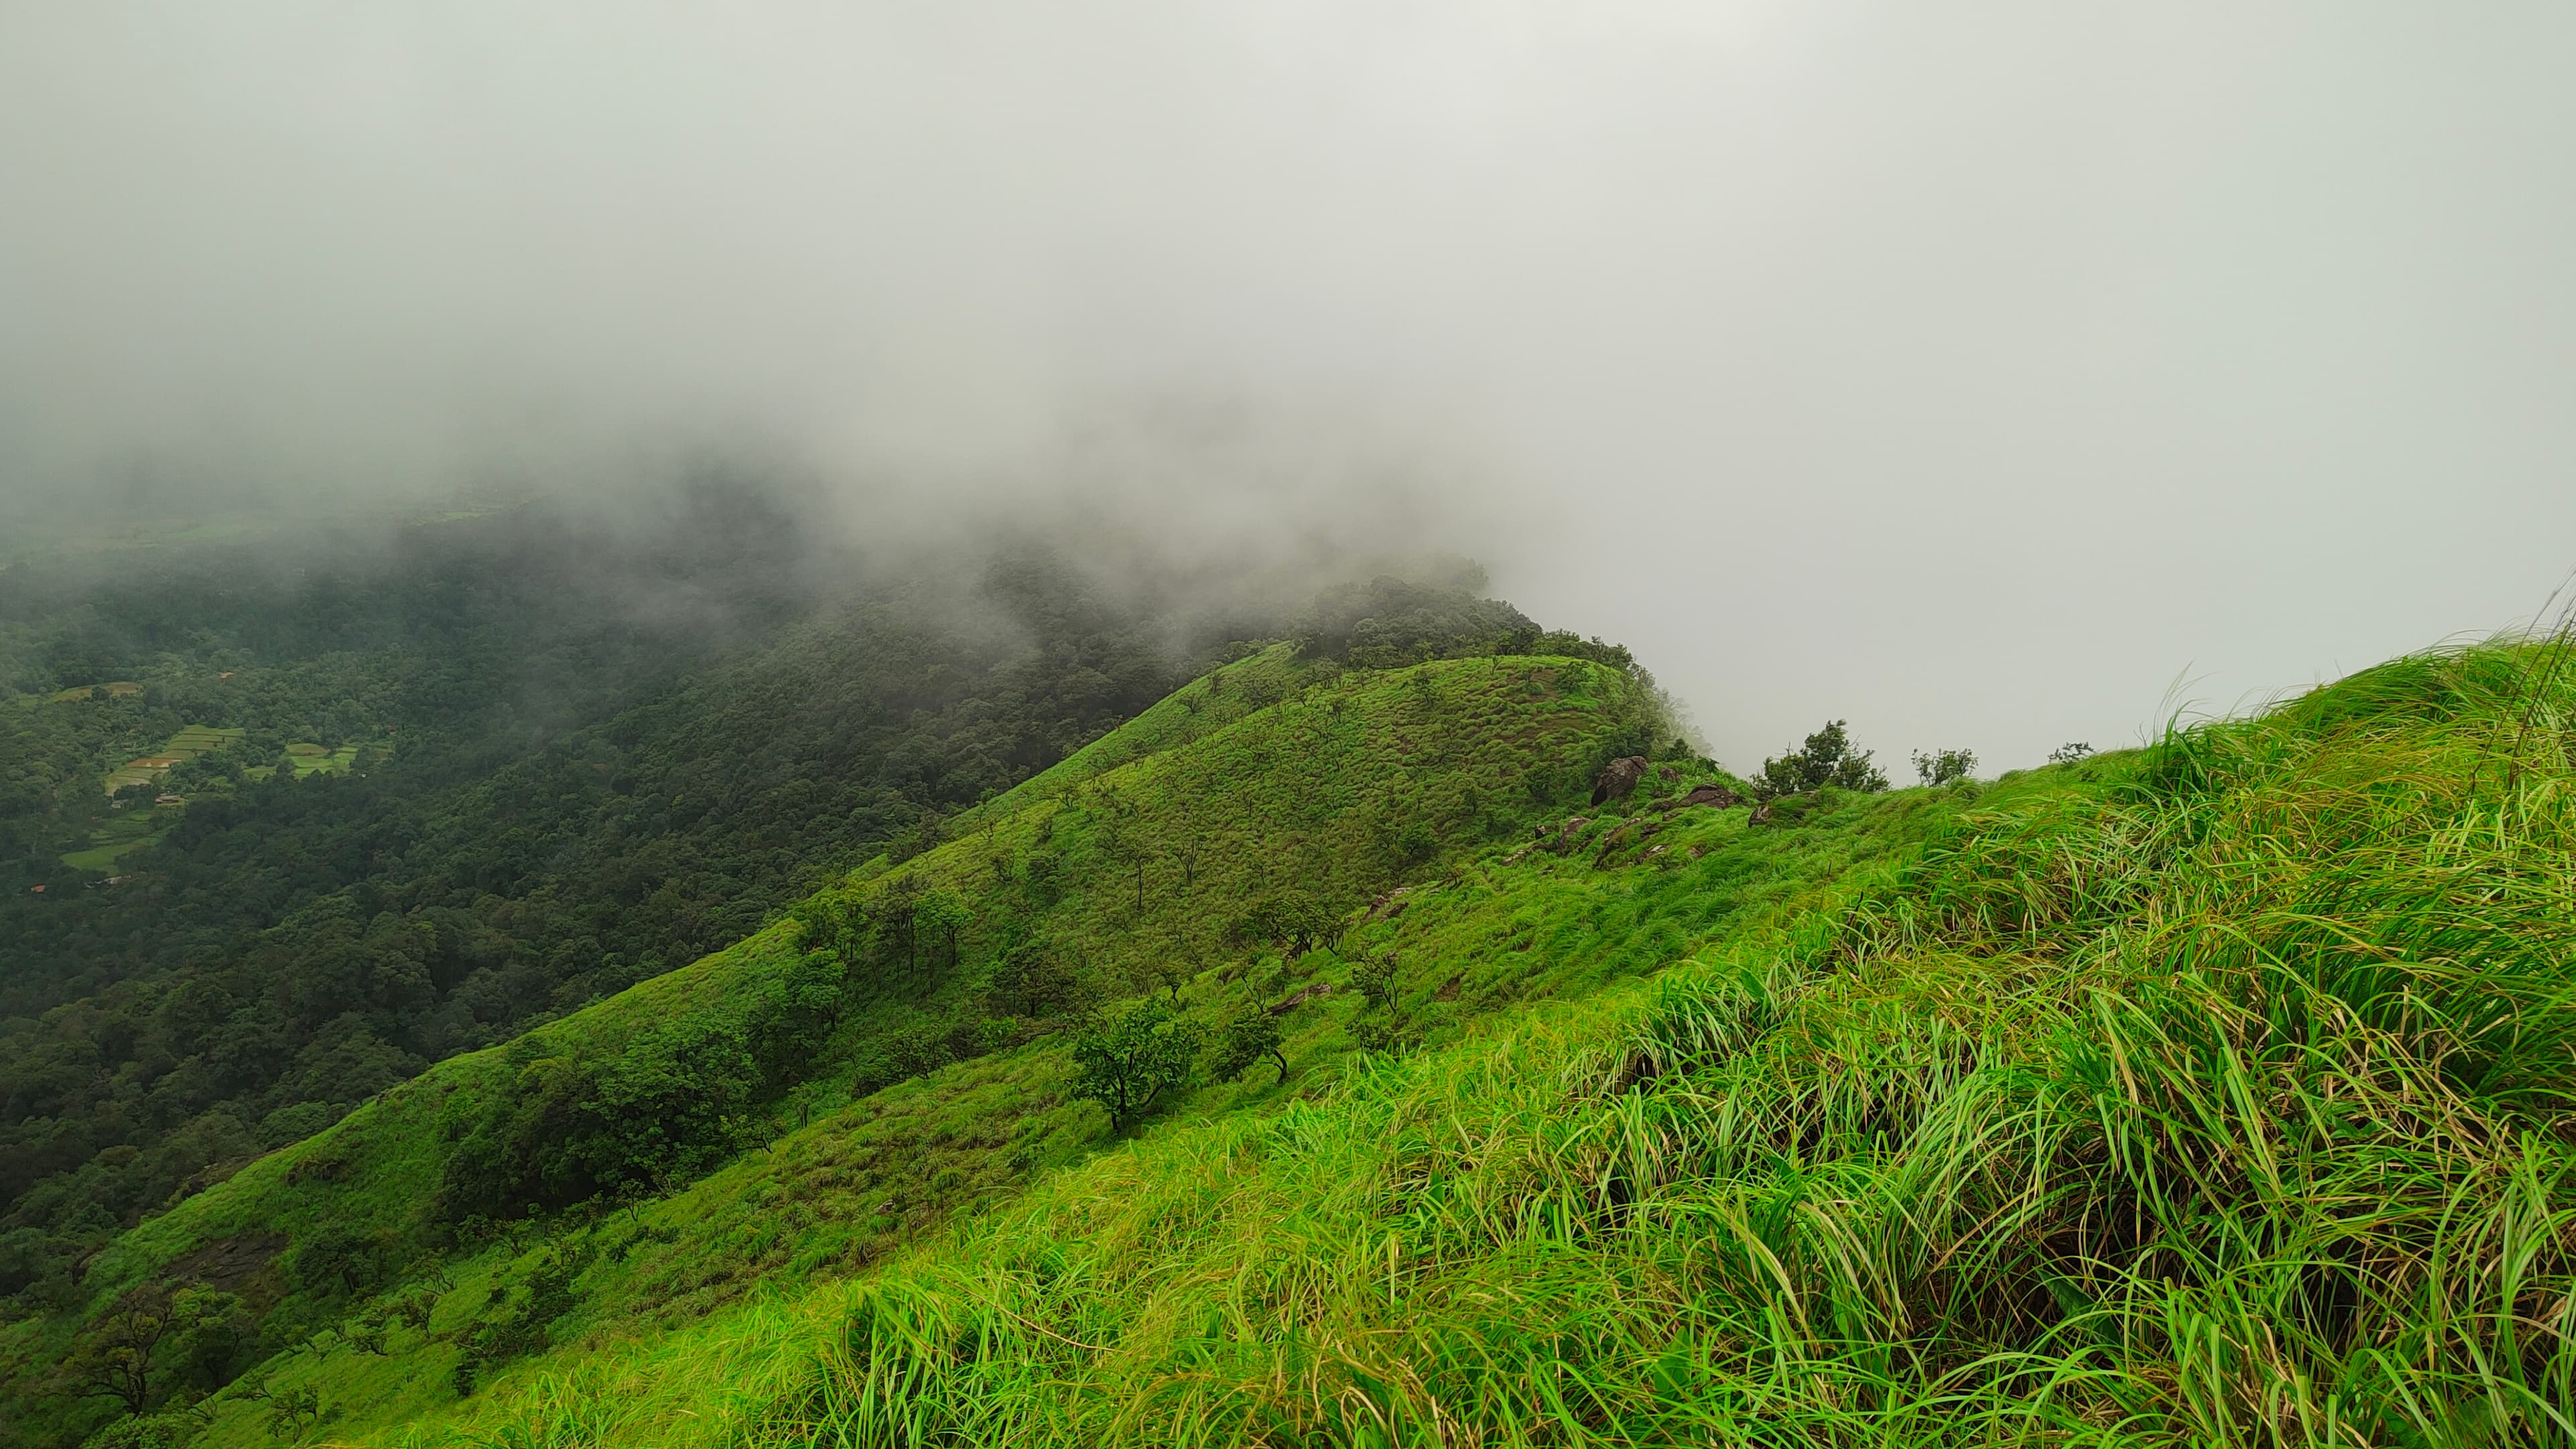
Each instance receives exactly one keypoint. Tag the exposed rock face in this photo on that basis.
(1618, 778)
(1715, 795)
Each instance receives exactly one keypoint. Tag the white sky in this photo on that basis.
(1977, 372)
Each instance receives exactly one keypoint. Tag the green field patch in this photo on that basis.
(312, 759)
(121, 835)
(138, 772)
(104, 857)
(116, 689)
(190, 742)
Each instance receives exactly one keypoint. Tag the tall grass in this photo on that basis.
(2219, 1098)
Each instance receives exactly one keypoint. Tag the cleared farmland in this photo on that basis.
(190, 742)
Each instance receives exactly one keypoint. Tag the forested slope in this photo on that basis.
(295, 945)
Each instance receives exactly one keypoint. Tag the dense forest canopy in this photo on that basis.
(573, 757)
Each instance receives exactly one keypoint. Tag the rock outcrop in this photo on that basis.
(1617, 778)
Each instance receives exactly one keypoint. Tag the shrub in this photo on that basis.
(1128, 1061)
(1944, 767)
(1827, 758)
(173, 1430)
(339, 1258)
(521, 1328)
(1033, 980)
(1293, 920)
(1374, 980)
(1250, 1037)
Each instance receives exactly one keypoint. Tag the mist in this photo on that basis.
(1990, 375)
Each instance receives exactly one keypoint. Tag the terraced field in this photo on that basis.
(190, 742)
(117, 689)
(313, 759)
(144, 824)
(121, 836)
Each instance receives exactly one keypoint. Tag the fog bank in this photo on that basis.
(1974, 373)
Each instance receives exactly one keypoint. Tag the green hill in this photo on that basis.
(2214, 1092)
(1266, 799)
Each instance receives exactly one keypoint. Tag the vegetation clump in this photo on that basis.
(1252, 1036)
(1826, 759)
(1944, 767)
(1125, 1060)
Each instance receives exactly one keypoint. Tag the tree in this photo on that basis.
(937, 917)
(896, 928)
(294, 1413)
(1375, 980)
(151, 1336)
(114, 1360)
(1171, 971)
(1943, 767)
(927, 834)
(366, 1333)
(1295, 920)
(833, 923)
(1186, 829)
(413, 1309)
(1032, 979)
(2069, 753)
(1252, 1035)
(1827, 758)
(1128, 1061)
(210, 1333)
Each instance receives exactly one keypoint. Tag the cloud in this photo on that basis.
(1969, 373)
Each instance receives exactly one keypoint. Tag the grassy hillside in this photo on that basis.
(1546, 925)
(1279, 782)
(2212, 1093)
(2215, 1093)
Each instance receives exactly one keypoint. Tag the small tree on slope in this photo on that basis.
(1252, 1036)
(1826, 759)
(1128, 1061)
